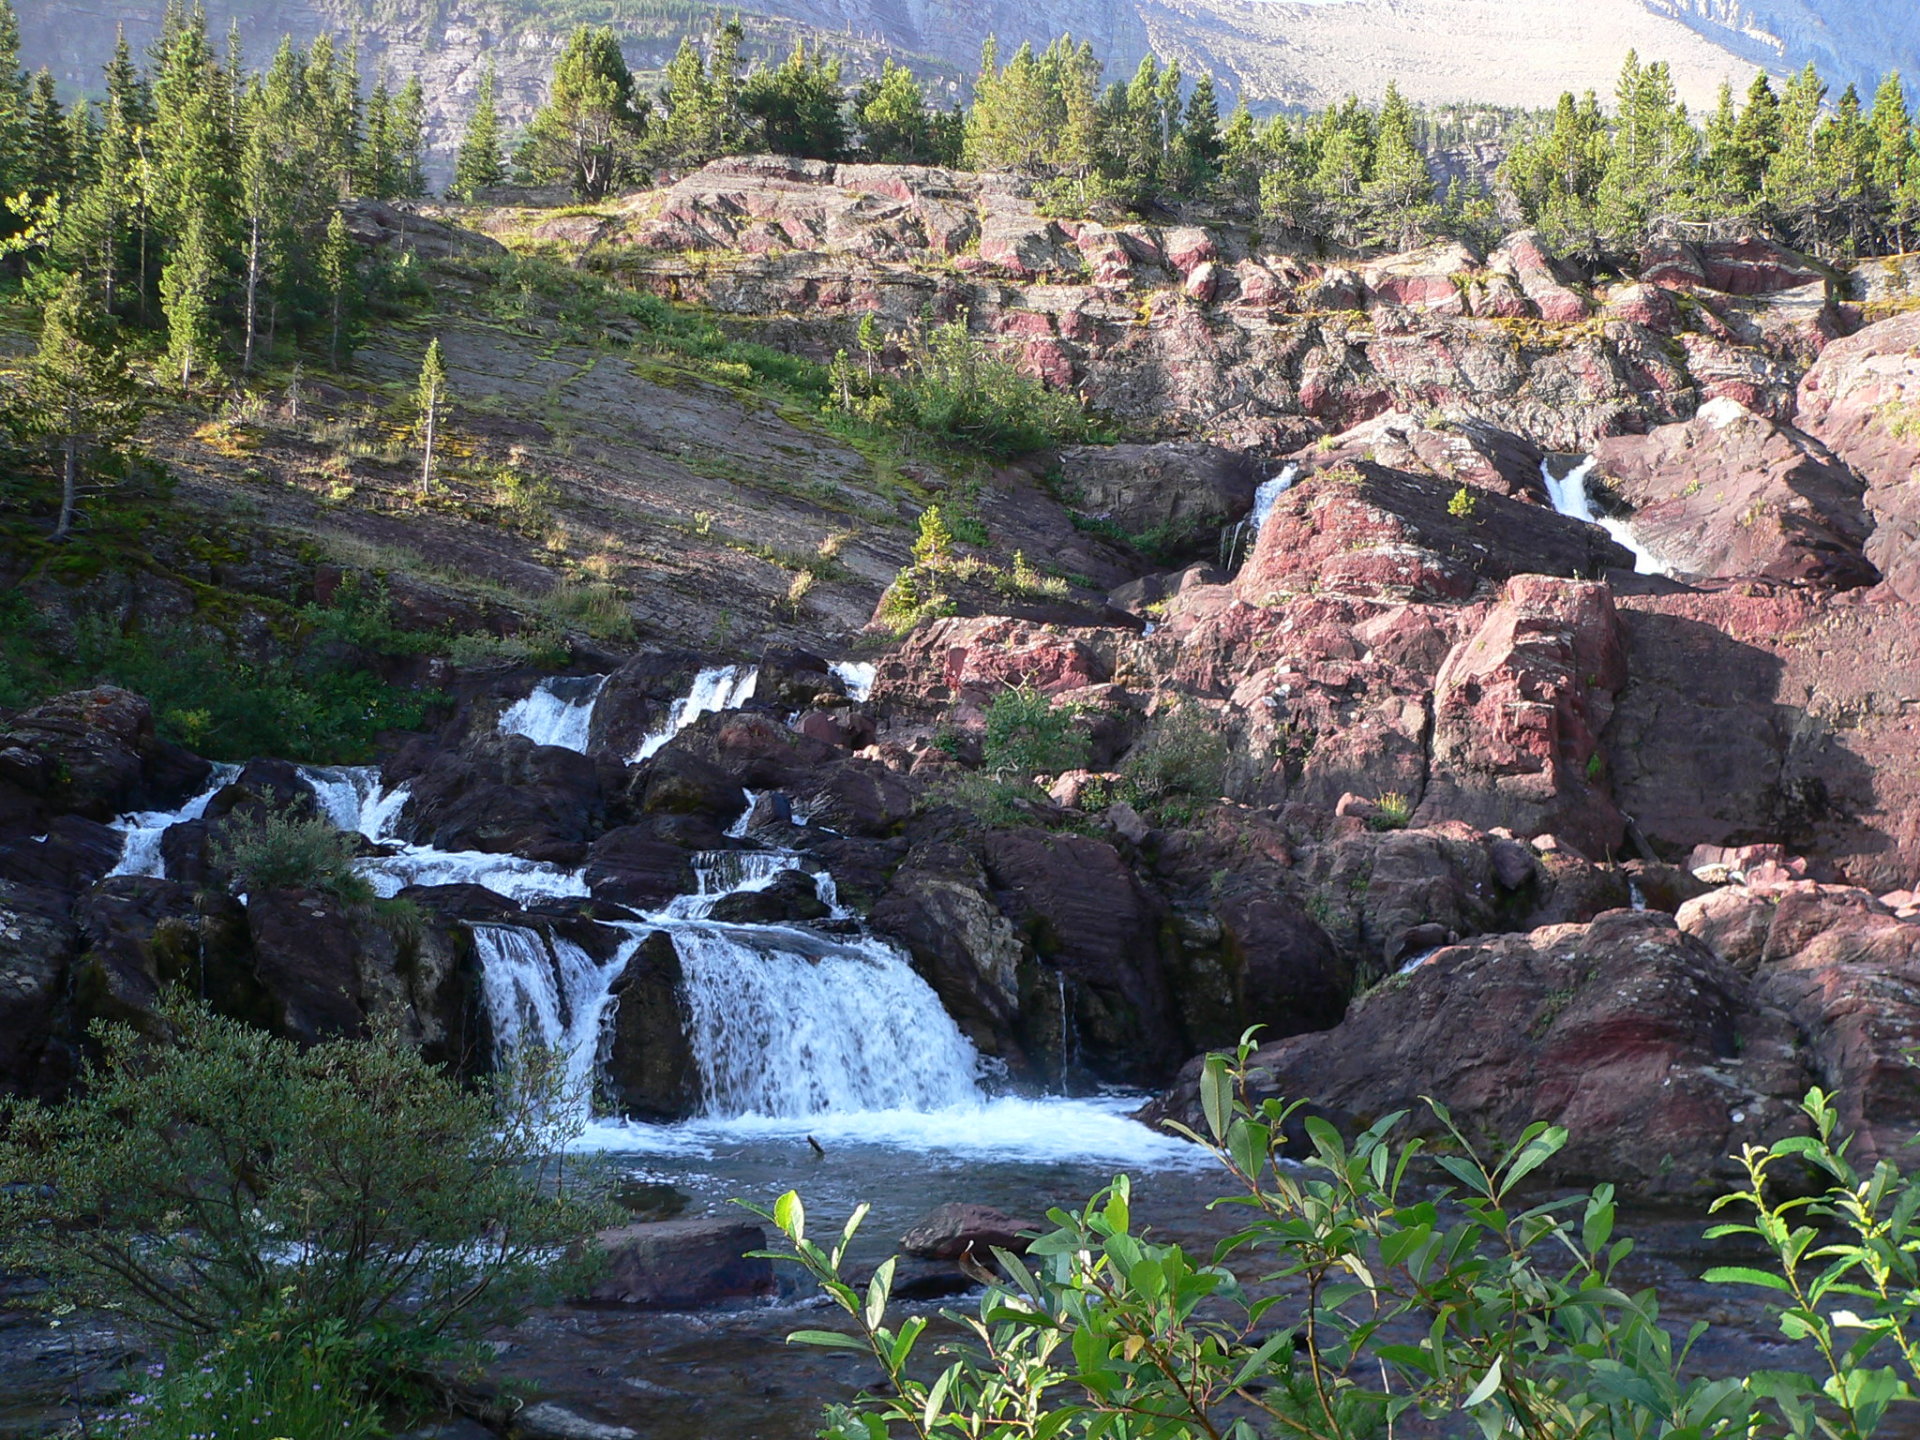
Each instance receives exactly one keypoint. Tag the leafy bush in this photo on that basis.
(1027, 734)
(277, 847)
(231, 1182)
(1392, 811)
(1379, 1303)
(1184, 754)
(957, 387)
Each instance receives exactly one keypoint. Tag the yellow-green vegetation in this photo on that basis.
(921, 590)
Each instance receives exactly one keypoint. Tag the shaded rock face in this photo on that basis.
(650, 1072)
(38, 943)
(1466, 451)
(1730, 493)
(91, 753)
(1360, 529)
(504, 794)
(1862, 400)
(1182, 494)
(1518, 711)
(1629, 1032)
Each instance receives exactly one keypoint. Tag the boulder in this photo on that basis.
(503, 794)
(692, 1264)
(1628, 1032)
(383, 225)
(70, 856)
(1361, 529)
(91, 753)
(650, 1073)
(140, 933)
(1537, 273)
(1463, 450)
(1862, 400)
(960, 1230)
(1731, 493)
(1181, 493)
(38, 941)
(1518, 711)
(791, 895)
(1433, 278)
(632, 866)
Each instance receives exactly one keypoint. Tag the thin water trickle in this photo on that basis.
(1265, 496)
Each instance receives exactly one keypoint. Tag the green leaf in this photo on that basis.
(931, 1411)
(1744, 1275)
(790, 1215)
(826, 1339)
(878, 1290)
(1489, 1383)
(1216, 1094)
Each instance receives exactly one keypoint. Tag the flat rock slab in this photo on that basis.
(683, 1264)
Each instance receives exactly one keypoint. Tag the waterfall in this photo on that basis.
(557, 711)
(140, 852)
(787, 1023)
(1265, 496)
(720, 873)
(355, 799)
(722, 687)
(856, 675)
(1571, 498)
(547, 991)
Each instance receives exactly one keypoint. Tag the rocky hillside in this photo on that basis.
(1646, 798)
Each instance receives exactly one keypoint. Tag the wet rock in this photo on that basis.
(311, 954)
(91, 753)
(1862, 400)
(650, 1072)
(1627, 1031)
(1463, 450)
(683, 1265)
(632, 866)
(505, 795)
(961, 1230)
(1180, 492)
(790, 895)
(856, 797)
(1361, 529)
(549, 1421)
(636, 698)
(1518, 711)
(683, 779)
(1731, 493)
(70, 856)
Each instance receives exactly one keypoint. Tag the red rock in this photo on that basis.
(1430, 279)
(1647, 305)
(1731, 493)
(1518, 710)
(1539, 278)
(1187, 247)
(1203, 282)
(1755, 265)
(1862, 398)
(683, 1265)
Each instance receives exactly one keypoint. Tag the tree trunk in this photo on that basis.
(426, 459)
(69, 484)
(253, 291)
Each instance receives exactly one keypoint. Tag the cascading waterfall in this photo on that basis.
(787, 1023)
(1571, 498)
(140, 852)
(856, 675)
(720, 873)
(547, 991)
(557, 711)
(722, 687)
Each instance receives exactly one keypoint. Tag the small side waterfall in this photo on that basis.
(1571, 498)
(723, 687)
(785, 1023)
(355, 799)
(546, 992)
(856, 675)
(140, 854)
(557, 711)
(1236, 541)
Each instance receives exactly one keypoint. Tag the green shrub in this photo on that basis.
(1392, 811)
(995, 801)
(1183, 754)
(1027, 735)
(278, 848)
(254, 1383)
(229, 1182)
(1481, 1309)
(957, 387)
(595, 607)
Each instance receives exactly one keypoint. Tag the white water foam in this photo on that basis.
(140, 852)
(355, 798)
(787, 1023)
(856, 675)
(1008, 1129)
(521, 880)
(720, 873)
(722, 687)
(1267, 494)
(547, 991)
(1571, 498)
(557, 711)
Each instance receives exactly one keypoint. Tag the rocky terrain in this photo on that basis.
(1386, 747)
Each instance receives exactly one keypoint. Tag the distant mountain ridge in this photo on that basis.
(1272, 52)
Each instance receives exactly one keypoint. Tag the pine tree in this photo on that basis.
(895, 128)
(1895, 160)
(410, 139)
(336, 278)
(78, 392)
(480, 164)
(186, 298)
(262, 201)
(15, 156)
(49, 169)
(590, 133)
(379, 167)
(1200, 146)
(1756, 138)
(1399, 189)
(701, 100)
(429, 396)
(795, 107)
(1792, 182)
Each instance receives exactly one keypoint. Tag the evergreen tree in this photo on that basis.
(379, 165)
(1793, 182)
(701, 100)
(480, 164)
(1756, 138)
(429, 396)
(187, 298)
(15, 156)
(1894, 159)
(1200, 145)
(796, 107)
(1243, 159)
(410, 139)
(263, 202)
(79, 395)
(1399, 189)
(895, 125)
(336, 278)
(49, 172)
(590, 133)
